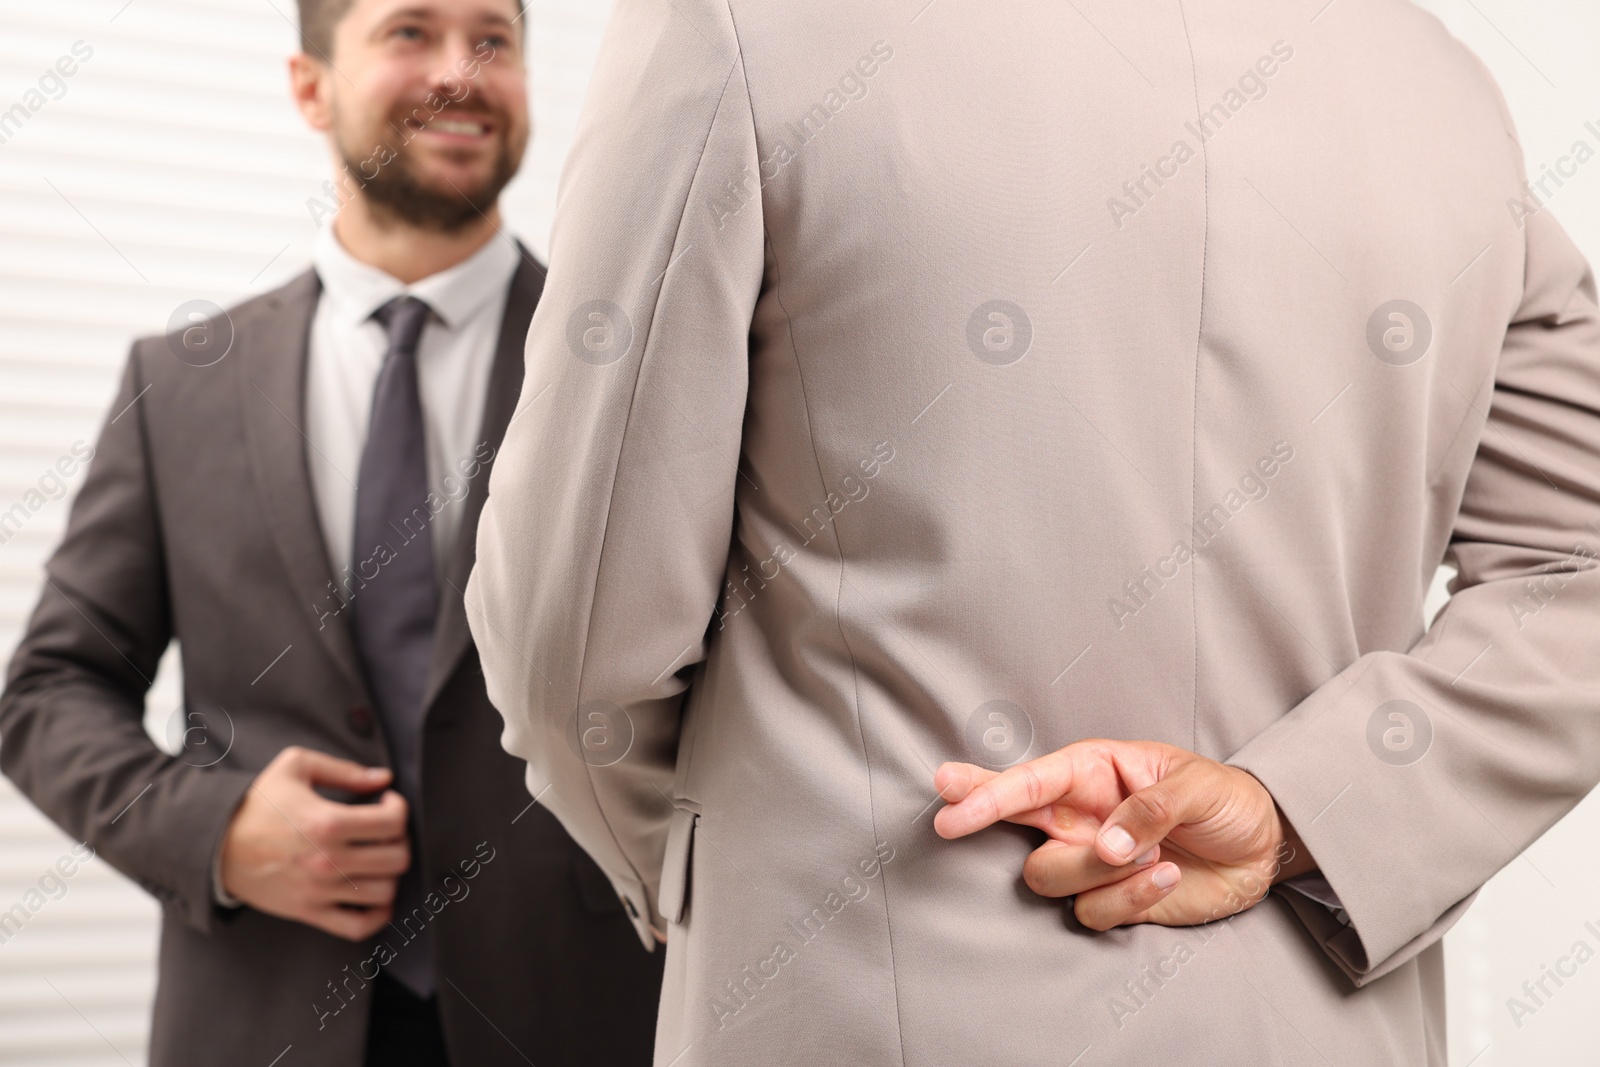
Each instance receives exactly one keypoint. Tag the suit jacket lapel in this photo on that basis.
(451, 636)
(273, 385)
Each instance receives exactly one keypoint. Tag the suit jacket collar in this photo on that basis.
(272, 381)
(352, 290)
(273, 358)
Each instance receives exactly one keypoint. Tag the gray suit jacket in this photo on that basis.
(931, 381)
(197, 523)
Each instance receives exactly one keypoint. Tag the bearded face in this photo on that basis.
(427, 107)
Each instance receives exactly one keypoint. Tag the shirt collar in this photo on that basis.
(354, 290)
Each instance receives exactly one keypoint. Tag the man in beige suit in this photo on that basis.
(927, 390)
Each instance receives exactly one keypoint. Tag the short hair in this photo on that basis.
(319, 18)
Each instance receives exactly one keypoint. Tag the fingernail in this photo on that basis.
(1148, 857)
(1165, 877)
(1119, 841)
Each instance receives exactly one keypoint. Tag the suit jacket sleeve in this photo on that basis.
(602, 550)
(1501, 689)
(72, 712)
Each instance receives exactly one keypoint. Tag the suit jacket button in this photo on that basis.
(360, 718)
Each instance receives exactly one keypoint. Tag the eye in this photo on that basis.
(496, 41)
(406, 32)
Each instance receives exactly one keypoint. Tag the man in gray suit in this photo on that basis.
(929, 392)
(349, 869)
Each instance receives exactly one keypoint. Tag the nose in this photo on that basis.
(448, 77)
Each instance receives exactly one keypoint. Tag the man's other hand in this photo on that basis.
(292, 853)
(1139, 831)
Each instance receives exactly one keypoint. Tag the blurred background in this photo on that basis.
(171, 166)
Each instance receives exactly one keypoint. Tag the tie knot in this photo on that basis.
(403, 318)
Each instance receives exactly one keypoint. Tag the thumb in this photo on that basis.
(319, 768)
(1148, 815)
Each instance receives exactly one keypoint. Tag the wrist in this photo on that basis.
(1287, 855)
(1291, 857)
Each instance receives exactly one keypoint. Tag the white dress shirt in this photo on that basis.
(454, 357)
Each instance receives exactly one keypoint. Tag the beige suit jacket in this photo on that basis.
(922, 381)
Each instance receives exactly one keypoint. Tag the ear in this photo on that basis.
(311, 86)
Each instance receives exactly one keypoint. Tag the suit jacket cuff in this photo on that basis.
(1313, 885)
(223, 898)
(1385, 915)
(210, 803)
(637, 902)
(1342, 945)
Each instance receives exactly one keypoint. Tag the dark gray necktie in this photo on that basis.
(394, 612)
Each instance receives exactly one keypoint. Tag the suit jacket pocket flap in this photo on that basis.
(675, 865)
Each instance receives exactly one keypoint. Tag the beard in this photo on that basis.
(399, 193)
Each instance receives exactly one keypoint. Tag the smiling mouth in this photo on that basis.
(458, 127)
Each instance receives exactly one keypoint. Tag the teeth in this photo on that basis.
(453, 126)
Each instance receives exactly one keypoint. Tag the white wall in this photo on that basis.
(174, 168)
